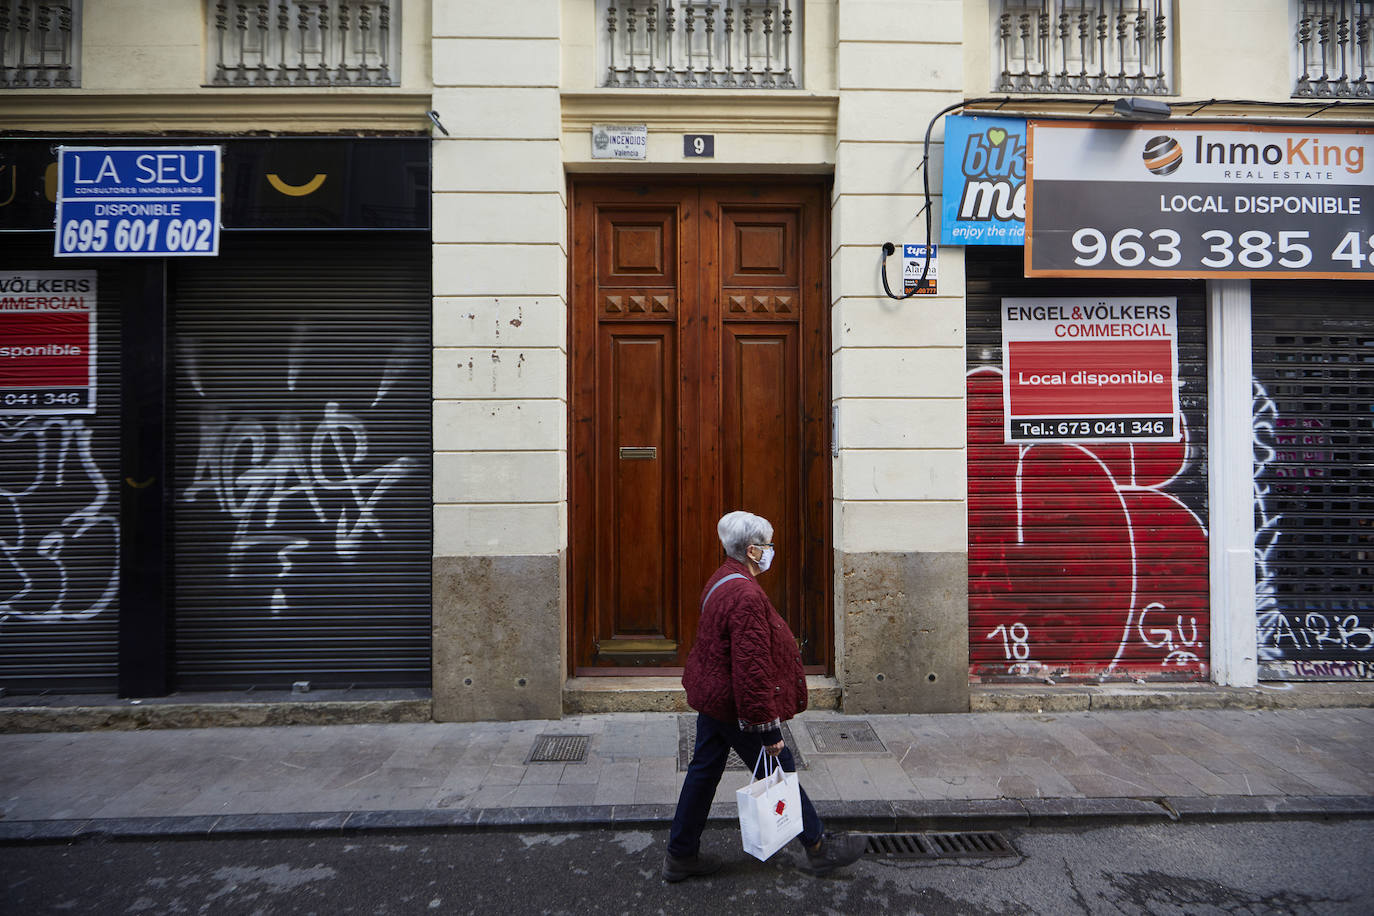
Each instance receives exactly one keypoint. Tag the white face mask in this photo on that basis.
(765, 559)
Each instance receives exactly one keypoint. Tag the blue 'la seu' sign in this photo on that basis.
(985, 181)
(130, 201)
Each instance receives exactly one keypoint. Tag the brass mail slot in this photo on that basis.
(638, 453)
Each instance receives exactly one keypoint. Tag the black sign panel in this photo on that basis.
(1204, 201)
(285, 183)
(699, 146)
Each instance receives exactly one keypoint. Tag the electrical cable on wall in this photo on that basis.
(888, 247)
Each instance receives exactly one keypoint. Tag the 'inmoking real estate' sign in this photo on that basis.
(1206, 200)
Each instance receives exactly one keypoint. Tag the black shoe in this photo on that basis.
(679, 868)
(834, 852)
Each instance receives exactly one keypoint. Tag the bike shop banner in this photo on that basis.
(1090, 370)
(1206, 200)
(984, 183)
(47, 341)
(121, 201)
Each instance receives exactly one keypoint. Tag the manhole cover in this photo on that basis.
(850, 737)
(939, 845)
(687, 741)
(559, 749)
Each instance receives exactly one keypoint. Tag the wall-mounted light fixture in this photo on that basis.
(434, 116)
(1137, 109)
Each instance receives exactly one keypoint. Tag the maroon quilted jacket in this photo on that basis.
(745, 665)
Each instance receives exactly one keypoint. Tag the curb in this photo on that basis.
(863, 816)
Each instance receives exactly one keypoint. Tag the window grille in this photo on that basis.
(1333, 49)
(39, 44)
(303, 43)
(700, 44)
(1084, 46)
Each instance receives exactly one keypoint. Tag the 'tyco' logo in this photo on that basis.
(1162, 155)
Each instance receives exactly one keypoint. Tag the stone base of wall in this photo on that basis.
(582, 695)
(498, 638)
(903, 625)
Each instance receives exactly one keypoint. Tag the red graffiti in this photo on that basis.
(1082, 564)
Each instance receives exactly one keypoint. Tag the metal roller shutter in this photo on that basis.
(59, 516)
(1313, 358)
(302, 500)
(1086, 561)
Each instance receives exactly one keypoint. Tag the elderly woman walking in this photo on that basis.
(744, 677)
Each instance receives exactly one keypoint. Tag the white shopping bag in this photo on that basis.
(769, 809)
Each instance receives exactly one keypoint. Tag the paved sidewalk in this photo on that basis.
(925, 770)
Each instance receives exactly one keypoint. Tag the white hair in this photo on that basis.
(738, 530)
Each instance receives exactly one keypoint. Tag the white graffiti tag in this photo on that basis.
(281, 478)
(48, 463)
(1316, 631)
(1157, 637)
(253, 471)
(1264, 424)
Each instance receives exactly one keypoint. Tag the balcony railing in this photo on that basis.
(39, 44)
(1333, 49)
(1084, 46)
(302, 43)
(701, 44)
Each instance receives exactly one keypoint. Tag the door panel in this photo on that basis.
(759, 247)
(699, 331)
(760, 435)
(638, 572)
(636, 247)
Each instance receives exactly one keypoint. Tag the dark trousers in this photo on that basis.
(714, 740)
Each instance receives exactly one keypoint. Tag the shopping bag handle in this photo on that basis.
(764, 755)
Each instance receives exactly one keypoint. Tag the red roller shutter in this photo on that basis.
(1086, 561)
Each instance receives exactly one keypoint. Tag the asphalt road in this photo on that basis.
(1297, 868)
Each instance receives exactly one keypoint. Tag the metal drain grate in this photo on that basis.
(939, 845)
(559, 749)
(845, 737)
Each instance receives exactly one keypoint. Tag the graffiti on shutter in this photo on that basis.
(1314, 484)
(1082, 560)
(259, 466)
(54, 507)
(1088, 561)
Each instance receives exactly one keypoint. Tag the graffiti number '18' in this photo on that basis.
(1015, 641)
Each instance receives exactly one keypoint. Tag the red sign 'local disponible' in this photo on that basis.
(1056, 377)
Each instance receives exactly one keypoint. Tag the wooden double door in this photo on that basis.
(700, 384)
